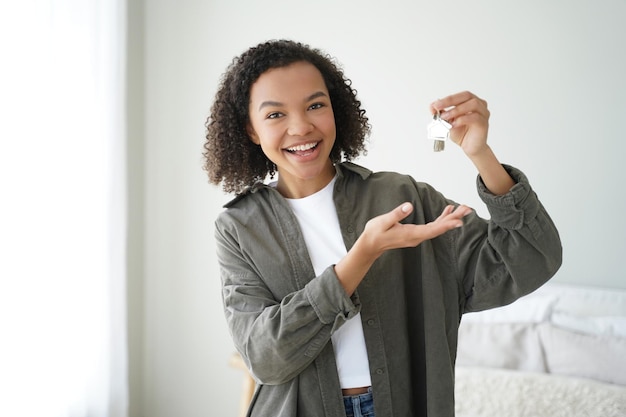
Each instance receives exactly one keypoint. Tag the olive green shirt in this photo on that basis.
(281, 316)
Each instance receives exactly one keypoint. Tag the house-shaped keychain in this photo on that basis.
(438, 131)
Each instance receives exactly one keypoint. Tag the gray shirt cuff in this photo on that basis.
(513, 209)
(329, 299)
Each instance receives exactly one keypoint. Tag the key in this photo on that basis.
(438, 131)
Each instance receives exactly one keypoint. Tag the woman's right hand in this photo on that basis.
(385, 232)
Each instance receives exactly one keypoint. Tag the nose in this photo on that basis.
(300, 125)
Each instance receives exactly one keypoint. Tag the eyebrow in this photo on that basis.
(278, 104)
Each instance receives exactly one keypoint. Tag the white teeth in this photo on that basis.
(301, 148)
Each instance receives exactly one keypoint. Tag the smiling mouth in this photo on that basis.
(302, 149)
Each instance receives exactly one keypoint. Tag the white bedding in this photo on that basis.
(560, 351)
(486, 392)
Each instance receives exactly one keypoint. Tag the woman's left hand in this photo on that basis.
(469, 116)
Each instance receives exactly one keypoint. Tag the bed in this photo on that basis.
(560, 351)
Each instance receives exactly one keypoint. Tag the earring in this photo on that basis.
(271, 169)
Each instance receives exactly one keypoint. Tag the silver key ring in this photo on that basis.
(438, 131)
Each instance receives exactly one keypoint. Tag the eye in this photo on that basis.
(316, 106)
(274, 115)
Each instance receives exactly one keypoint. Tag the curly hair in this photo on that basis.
(231, 158)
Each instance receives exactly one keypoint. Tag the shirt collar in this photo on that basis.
(341, 169)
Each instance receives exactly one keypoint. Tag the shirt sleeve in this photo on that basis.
(277, 336)
(514, 253)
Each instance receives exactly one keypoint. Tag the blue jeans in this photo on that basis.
(359, 405)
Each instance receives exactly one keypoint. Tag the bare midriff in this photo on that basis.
(354, 391)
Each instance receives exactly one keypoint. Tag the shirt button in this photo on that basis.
(350, 229)
(371, 322)
(380, 371)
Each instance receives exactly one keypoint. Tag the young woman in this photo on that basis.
(343, 289)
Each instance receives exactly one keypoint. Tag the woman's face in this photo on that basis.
(291, 118)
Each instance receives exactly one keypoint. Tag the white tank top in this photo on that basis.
(320, 226)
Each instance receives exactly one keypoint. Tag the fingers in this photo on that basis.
(405, 209)
(453, 216)
(397, 214)
(450, 218)
(459, 104)
(449, 213)
(452, 100)
(447, 210)
(382, 224)
(469, 116)
(386, 232)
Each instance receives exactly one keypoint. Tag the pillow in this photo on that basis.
(607, 326)
(500, 345)
(598, 357)
(586, 300)
(529, 309)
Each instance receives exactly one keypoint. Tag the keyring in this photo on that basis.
(438, 131)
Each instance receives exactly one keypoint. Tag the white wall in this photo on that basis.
(552, 72)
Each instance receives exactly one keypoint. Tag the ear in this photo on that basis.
(252, 134)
